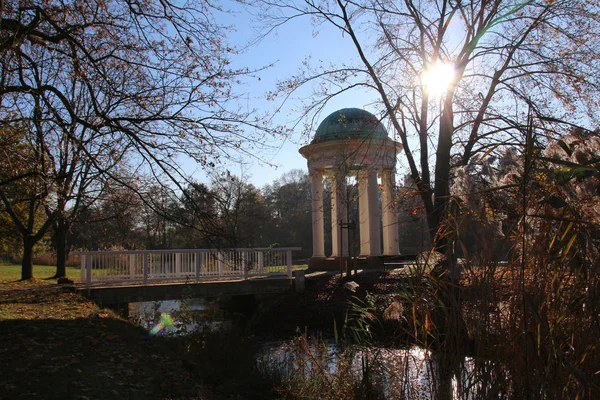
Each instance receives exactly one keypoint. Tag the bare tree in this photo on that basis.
(508, 63)
(24, 190)
(505, 57)
(97, 77)
(241, 211)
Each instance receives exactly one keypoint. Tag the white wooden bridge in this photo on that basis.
(148, 267)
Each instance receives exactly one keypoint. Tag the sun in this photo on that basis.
(438, 78)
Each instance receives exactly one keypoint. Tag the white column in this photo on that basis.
(390, 221)
(334, 222)
(374, 218)
(339, 212)
(317, 214)
(363, 214)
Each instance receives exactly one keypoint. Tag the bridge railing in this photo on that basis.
(143, 266)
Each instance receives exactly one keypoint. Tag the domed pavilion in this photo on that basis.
(353, 143)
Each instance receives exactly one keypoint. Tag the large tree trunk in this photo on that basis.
(449, 319)
(27, 260)
(442, 175)
(443, 230)
(61, 230)
(452, 340)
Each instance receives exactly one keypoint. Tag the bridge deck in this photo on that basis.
(115, 293)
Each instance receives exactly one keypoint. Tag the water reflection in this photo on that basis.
(410, 373)
(398, 373)
(185, 316)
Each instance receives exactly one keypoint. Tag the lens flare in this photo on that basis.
(165, 321)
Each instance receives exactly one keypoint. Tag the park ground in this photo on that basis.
(56, 344)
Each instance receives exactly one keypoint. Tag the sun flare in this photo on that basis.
(438, 78)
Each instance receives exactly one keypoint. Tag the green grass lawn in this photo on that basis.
(10, 274)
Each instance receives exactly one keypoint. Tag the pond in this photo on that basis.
(409, 373)
(393, 373)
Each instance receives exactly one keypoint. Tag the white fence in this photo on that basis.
(161, 265)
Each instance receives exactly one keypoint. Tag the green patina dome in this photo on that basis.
(350, 123)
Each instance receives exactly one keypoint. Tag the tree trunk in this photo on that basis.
(453, 341)
(27, 260)
(442, 176)
(452, 334)
(60, 236)
(444, 387)
(443, 229)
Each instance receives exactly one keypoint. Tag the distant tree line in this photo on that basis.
(225, 212)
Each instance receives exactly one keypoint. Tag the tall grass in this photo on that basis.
(310, 368)
(511, 331)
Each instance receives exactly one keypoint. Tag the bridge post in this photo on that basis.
(88, 271)
(221, 262)
(288, 255)
(197, 265)
(177, 264)
(145, 268)
(131, 266)
(245, 264)
(261, 262)
(299, 281)
(82, 267)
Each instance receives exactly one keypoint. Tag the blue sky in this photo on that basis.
(288, 47)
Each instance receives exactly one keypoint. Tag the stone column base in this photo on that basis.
(333, 263)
